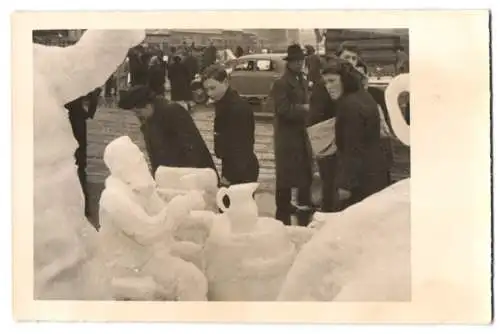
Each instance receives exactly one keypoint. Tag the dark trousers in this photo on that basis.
(329, 189)
(78, 119)
(284, 208)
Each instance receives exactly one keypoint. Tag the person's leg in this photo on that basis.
(283, 197)
(327, 171)
(304, 200)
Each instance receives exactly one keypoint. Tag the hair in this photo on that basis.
(347, 47)
(361, 65)
(216, 72)
(350, 78)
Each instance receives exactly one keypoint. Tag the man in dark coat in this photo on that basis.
(313, 65)
(209, 55)
(180, 80)
(138, 66)
(292, 148)
(234, 129)
(78, 117)
(191, 64)
(171, 136)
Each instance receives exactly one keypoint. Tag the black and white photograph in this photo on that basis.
(208, 160)
(223, 164)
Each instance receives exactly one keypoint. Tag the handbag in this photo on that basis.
(322, 138)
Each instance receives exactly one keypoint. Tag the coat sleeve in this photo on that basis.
(241, 139)
(349, 139)
(317, 106)
(284, 108)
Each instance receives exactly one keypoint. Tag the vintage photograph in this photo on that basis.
(222, 165)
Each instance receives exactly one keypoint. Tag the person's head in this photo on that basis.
(349, 52)
(399, 48)
(140, 99)
(340, 78)
(295, 58)
(310, 50)
(215, 81)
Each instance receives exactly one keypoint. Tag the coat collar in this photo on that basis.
(295, 79)
(228, 95)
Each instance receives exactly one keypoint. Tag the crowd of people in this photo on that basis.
(353, 118)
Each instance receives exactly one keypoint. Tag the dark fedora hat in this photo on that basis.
(136, 97)
(294, 52)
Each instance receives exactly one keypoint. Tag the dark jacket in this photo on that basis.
(209, 56)
(313, 63)
(180, 81)
(157, 76)
(357, 134)
(172, 138)
(234, 131)
(191, 64)
(322, 107)
(292, 149)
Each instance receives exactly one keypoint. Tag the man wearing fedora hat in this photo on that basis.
(293, 158)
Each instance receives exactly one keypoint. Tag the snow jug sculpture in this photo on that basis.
(247, 257)
(63, 238)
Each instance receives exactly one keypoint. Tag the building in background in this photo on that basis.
(276, 39)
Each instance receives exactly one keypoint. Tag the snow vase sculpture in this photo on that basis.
(137, 231)
(62, 235)
(247, 257)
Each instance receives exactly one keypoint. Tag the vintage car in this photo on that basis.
(251, 76)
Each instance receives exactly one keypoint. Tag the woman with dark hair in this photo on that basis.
(357, 135)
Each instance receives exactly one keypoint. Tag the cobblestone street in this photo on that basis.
(111, 122)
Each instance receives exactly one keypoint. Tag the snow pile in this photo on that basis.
(360, 254)
(63, 238)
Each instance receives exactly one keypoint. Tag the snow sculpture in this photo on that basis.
(247, 257)
(398, 85)
(63, 238)
(173, 181)
(137, 241)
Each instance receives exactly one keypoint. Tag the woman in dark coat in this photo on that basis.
(357, 134)
(293, 155)
(180, 80)
(234, 129)
(171, 136)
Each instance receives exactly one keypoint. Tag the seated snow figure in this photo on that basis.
(136, 236)
(65, 266)
(247, 257)
(172, 181)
